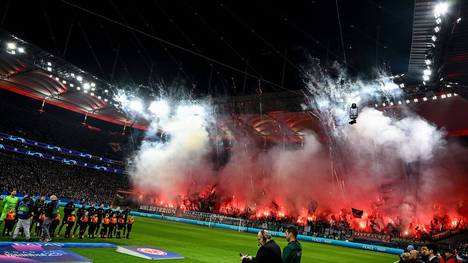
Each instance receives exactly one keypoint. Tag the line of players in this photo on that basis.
(90, 222)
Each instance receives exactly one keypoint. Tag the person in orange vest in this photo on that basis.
(9, 222)
(70, 222)
(112, 224)
(105, 226)
(120, 225)
(92, 225)
(54, 225)
(130, 222)
(83, 224)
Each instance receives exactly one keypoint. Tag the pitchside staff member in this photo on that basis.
(25, 210)
(269, 251)
(51, 211)
(292, 253)
(67, 210)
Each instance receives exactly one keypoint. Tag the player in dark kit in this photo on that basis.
(81, 211)
(38, 210)
(130, 222)
(100, 214)
(67, 210)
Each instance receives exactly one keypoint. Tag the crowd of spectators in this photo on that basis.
(37, 176)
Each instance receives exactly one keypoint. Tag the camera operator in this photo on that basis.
(269, 251)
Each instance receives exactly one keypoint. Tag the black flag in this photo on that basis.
(357, 213)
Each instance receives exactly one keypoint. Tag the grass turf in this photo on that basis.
(202, 244)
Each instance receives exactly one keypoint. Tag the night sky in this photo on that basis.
(375, 33)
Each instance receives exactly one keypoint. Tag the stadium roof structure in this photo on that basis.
(31, 71)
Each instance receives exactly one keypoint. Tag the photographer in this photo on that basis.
(269, 251)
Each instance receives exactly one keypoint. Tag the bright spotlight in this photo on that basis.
(79, 78)
(443, 96)
(93, 84)
(86, 86)
(407, 101)
(160, 108)
(458, 20)
(402, 85)
(440, 9)
(49, 69)
(136, 105)
(428, 62)
(21, 50)
(424, 99)
(434, 38)
(425, 77)
(49, 64)
(436, 29)
(11, 45)
(427, 72)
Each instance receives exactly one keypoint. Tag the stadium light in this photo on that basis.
(402, 85)
(106, 90)
(86, 86)
(438, 21)
(434, 38)
(93, 89)
(440, 9)
(436, 29)
(160, 108)
(49, 69)
(416, 100)
(78, 88)
(458, 20)
(376, 105)
(425, 78)
(105, 100)
(11, 45)
(424, 99)
(391, 103)
(428, 62)
(71, 85)
(383, 104)
(93, 84)
(92, 93)
(427, 72)
(64, 82)
(449, 95)
(49, 64)
(20, 50)
(455, 94)
(434, 98)
(79, 78)
(407, 101)
(99, 97)
(443, 96)
(399, 102)
(85, 91)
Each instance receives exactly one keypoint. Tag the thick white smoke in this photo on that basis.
(163, 166)
(410, 138)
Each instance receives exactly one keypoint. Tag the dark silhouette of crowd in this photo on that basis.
(39, 176)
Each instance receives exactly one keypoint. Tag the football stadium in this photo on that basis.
(232, 131)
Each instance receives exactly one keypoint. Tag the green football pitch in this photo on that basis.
(203, 244)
